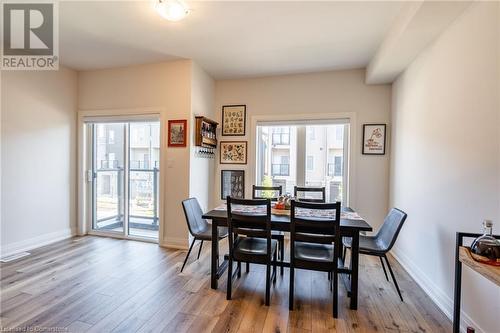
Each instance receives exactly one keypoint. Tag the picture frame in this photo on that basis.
(374, 139)
(177, 133)
(234, 120)
(232, 183)
(233, 152)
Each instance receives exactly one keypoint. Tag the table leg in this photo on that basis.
(458, 286)
(214, 255)
(354, 268)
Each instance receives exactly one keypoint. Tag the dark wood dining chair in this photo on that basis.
(315, 244)
(278, 235)
(250, 240)
(298, 189)
(382, 242)
(198, 227)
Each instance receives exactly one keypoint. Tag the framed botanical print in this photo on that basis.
(232, 184)
(374, 139)
(233, 152)
(234, 120)
(177, 133)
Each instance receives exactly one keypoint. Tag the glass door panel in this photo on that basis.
(305, 155)
(144, 157)
(108, 174)
(325, 158)
(277, 154)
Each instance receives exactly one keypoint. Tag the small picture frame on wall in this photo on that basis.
(233, 152)
(232, 184)
(234, 120)
(177, 130)
(374, 139)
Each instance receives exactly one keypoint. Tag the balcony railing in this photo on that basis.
(144, 179)
(280, 169)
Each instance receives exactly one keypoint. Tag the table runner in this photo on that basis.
(327, 213)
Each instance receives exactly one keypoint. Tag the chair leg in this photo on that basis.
(199, 251)
(268, 284)
(393, 277)
(335, 294)
(248, 267)
(282, 254)
(239, 269)
(292, 282)
(274, 266)
(383, 267)
(229, 279)
(187, 256)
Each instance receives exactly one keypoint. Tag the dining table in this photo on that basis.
(351, 225)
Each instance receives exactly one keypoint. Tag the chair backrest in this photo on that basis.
(314, 228)
(274, 189)
(249, 223)
(192, 211)
(388, 233)
(320, 190)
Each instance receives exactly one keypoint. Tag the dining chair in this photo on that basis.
(382, 242)
(250, 240)
(198, 227)
(276, 191)
(320, 190)
(315, 243)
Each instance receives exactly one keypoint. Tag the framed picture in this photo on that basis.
(232, 183)
(233, 152)
(234, 120)
(374, 139)
(177, 133)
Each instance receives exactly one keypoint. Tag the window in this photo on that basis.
(310, 163)
(314, 156)
(338, 166)
(312, 133)
(111, 137)
(281, 135)
(281, 165)
(339, 133)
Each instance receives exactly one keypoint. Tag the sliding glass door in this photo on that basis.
(109, 176)
(312, 155)
(125, 178)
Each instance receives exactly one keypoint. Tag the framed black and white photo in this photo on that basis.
(234, 120)
(232, 184)
(374, 139)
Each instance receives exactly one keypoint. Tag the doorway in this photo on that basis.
(124, 178)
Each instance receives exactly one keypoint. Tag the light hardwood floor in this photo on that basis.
(93, 284)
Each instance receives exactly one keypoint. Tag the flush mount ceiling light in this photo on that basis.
(172, 10)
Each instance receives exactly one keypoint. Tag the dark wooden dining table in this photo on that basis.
(348, 228)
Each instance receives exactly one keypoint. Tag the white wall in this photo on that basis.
(326, 93)
(165, 86)
(445, 157)
(201, 180)
(38, 138)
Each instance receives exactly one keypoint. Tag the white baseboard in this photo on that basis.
(175, 243)
(438, 296)
(35, 242)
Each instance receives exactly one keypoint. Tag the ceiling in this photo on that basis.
(228, 39)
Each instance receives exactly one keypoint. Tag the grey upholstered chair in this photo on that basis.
(198, 227)
(382, 242)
